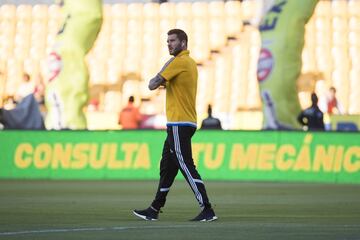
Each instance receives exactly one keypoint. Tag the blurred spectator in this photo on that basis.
(25, 88)
(93, 105)
(312, 117)
(9, 103)
(333, 104)
(130, 117)
(210, 122)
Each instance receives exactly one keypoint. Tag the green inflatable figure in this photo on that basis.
(67, 89)
(282, 34)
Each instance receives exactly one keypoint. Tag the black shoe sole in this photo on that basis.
(146, 218)
(205, 220)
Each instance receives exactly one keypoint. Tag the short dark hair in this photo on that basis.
(131, 99)
(314, 98)
(209, 110)
(179, 33)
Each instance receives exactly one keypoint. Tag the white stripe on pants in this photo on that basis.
(184, 167)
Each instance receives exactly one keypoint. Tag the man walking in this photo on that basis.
(179, 76)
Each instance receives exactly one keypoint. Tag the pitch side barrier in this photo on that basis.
(332, 157)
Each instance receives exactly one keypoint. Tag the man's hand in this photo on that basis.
(156, 82)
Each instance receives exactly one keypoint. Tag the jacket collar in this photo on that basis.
(183, 52)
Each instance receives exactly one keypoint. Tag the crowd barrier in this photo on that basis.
(332, 157)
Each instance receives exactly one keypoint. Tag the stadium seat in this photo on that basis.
(323, 8)
(39, 34)
(354, 106)
(40, 12)
(339, 8)
(149, 67)
(14, 72)
(206, 82)
(310, 37)
(340, 56)
(8, 13)
(217, 34)
(21, 52)
(167, 10)
(54, 12)
(119, 11)
(53, 27)
(97, 70)
(200, 10)
(3, 79)
(233, 18)
(340, 38)
(135, 11)
(339, 23)
(7, 47)
(354, 8)
(24, 12)
(240, 57)
(112, 101)
(200, 52)
(151, 10)
(354, 24)
(323, 24)
(249, 8)
(253, 100)
(107, 12)
(354, 54)
(32, 66)
(216, 23)
(216, 9)
(308, 60)
(200, 32)
(114, 71)
(222, 87)
(184, 10)
(354, 38)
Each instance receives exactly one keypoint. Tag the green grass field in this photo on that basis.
(103, 210)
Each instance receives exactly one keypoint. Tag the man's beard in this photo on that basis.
(176, 51)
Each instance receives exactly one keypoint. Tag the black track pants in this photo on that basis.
(177, 155)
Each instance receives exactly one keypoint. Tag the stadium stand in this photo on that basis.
(131, 48)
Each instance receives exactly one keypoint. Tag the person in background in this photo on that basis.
(130, 117)
(25, 88)
(210, 122)
(39, 89)
(9, 102)
(333, 104)
(312, 117)
(179, 75)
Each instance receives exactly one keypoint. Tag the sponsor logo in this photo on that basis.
(265, 64)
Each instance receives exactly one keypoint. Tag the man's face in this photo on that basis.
(174, 45)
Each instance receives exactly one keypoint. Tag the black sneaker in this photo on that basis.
(148, 214)
(206, 215)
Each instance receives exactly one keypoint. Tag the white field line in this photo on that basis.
(241, 225)
(95, 229)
